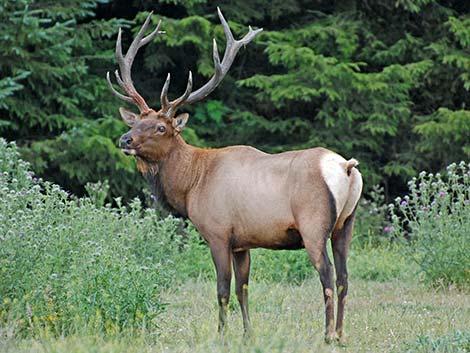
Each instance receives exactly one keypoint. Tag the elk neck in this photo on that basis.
(174, 175)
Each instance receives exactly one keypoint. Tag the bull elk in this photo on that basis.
(238, 197)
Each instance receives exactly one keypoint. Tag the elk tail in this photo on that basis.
(350, 164)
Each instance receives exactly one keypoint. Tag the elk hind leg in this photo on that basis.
(314, 236)
(340, 240)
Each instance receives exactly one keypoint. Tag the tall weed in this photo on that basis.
(67, 265)
(435, 217)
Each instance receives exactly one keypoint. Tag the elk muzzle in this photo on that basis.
(125, 143)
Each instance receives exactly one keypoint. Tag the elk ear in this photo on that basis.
(180, 122)
(129, 117)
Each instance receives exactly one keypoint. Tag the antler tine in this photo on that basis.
(179, 101)
(116, 93)
(152, 35)
(164, 94)
(124, 79)
(136, 43)
(221, 68)
(118, 78)
(217, 65)
(119, 55)
(227, 31)
(170, 107)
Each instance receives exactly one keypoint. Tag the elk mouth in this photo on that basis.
(130, 151)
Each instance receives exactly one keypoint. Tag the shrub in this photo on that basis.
(67, 265)
(435, 216)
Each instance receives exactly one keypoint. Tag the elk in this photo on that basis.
(238, 197)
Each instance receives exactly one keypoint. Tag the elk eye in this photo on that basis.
(161, 129)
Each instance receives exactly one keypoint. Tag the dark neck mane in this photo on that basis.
(159, 197)
(169, 177)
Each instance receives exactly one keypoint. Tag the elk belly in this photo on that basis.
(264, 219)
(285, 239)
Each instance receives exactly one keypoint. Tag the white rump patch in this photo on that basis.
(334, 170)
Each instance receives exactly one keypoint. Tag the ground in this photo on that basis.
(381, 317)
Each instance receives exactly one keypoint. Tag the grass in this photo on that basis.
(381, 317)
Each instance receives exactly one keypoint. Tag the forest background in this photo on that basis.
(385, 82)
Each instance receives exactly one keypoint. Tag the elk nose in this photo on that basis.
(126, 141)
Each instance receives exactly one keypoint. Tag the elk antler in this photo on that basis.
(221, 68)
(125, 64)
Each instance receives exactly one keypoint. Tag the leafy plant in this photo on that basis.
(71, 265)
(98, 192)
(434, 216)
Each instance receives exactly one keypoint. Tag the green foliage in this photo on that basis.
(435, 217)
(413, 6)
(68, 265)
(445, 135)
(370, 226)
(194, 260)
(98, 192)
(53, 99)
(382, 263)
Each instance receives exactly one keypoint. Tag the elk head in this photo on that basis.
(153, 133)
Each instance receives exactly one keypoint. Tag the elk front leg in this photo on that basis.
(340, 241)
(241, 265)
(221, 255)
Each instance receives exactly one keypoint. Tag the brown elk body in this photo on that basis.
(240, 198)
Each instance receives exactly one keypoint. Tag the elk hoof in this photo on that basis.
(341, 338)
(248, 337)
(248, 333)
(331, 337)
